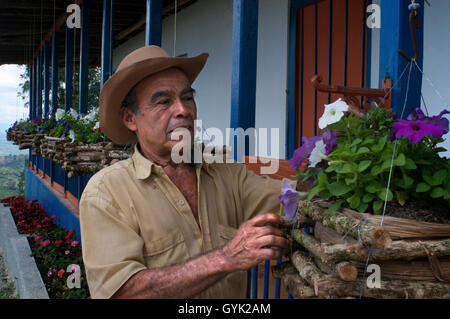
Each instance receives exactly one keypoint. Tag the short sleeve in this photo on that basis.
(259, 193)
(111, 245)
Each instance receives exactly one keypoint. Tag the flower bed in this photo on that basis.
(53, 248)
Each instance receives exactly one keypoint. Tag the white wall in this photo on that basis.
(436, 64)
(206, 26)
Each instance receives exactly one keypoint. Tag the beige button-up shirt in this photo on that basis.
(133, 218)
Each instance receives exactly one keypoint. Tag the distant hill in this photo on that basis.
(12, 175)
(7, 148)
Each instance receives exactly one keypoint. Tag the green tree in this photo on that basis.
(94, 78)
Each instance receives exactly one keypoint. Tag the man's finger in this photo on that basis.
(272, 240)
(264, 219)
(270, 230)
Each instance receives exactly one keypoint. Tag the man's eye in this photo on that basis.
(164, 102)
(188, 98)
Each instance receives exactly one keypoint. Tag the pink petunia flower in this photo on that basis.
(44, 243)
(67, 252)
(36, 238)
(74, 243)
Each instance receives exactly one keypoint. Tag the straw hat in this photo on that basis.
(134, 67)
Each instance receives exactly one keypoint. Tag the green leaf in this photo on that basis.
(314, 191)
(351, 180)
(363, 207)
(367, 198)
(372, 187)
(377, 205)
(382, 195)
(347, 168)
(356, 142)
(380, 145)
(400, 160)
(422, 188)
(375, 170)
(407, 181)
(354, 201)
(363, 150)
(437, 192)
(339, 188)
(401, 198)
(386, 165)
(335, 206)
(439, 177)
(410, 164)
(364, 165)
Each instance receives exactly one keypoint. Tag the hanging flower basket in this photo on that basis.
(362, 189)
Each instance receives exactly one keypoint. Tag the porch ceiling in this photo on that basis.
(24, 24)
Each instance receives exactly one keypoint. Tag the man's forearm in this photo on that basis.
(179, 281)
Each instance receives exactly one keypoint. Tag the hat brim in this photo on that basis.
(117, 87)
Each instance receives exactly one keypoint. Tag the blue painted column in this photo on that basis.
(244, 54)
(84, 55)
(46, 78)
(54, 89)
(395, 35)
(39, 85)
(30, 92)
(69, 68)
(153, 27)
(107, 40)
(35, 87)
(55, 72)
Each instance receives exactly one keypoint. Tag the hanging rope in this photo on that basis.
(175, 29)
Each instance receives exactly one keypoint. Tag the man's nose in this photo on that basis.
(181, 109)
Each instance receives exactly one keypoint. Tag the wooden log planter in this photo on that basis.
(413, 257)
(76, 158)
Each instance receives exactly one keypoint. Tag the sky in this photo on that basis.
(11, 106)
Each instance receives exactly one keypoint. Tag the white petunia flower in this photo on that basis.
(97, 125)
(72, 135)
(317, 154)
(74, 113)
(333, 113)
(59, 114)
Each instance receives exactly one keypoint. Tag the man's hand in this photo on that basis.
(249, 246)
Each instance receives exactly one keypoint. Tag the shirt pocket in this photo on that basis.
(168, 250)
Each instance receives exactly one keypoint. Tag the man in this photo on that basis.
(151, 228)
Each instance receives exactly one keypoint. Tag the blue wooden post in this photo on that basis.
(84, 55)
(255, 283)
(395, 35)
(55, 80)
(46, 78)
(31, 101)
(69, 68)
(153, 27)
(244, 53)
(107, 40)
(39, 85)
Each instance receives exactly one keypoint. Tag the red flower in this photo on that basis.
(44, 243)
(70, 233)
(61, 273)
(58, 243)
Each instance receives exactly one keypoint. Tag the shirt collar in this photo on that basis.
(144, 166)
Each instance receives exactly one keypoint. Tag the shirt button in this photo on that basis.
(181, 202)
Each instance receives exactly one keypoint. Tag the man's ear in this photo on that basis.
(128, 119)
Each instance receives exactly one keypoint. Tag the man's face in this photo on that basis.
(166, 102)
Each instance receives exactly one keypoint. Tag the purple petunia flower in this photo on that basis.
(68, 127)
(438, 120)
(416, 130)
(289, 198)
(63, 135)
(329, 138)
(308, 144)
(40, 129)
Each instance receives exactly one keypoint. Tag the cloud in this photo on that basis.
(11, 106)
